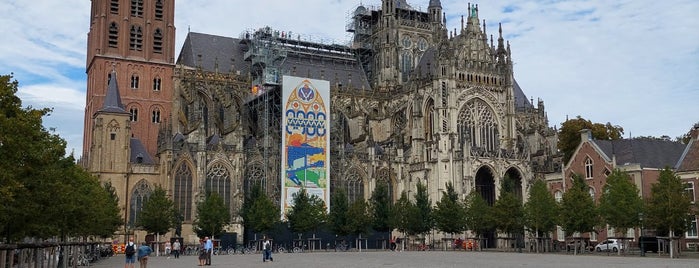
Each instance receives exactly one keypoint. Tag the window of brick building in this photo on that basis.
(156, 116)
(588, 168)
(137, 8)
(158, 41)
(113, 34)
(156, 84)
(114, 6)
(133, 114)
(136, 38)
(134, 81)
(159, 10)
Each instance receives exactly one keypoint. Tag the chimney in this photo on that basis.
(585, 135)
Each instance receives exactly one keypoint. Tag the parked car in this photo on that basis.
(609, 245)
(650, 243)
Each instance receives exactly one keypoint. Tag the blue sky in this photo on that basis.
(633, 63)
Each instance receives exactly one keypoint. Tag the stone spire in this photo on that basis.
(112, 101)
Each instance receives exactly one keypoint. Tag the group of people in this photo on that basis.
(132, 252)
(141, 253)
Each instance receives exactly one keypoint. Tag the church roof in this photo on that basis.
(139, 154)
(208, 51)
(646, 152)
(112, 101)
(521, 100)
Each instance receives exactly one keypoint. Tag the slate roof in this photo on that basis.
(690, 157)
(207, 51)
(648, 153)
(112, 100)
(139, 151)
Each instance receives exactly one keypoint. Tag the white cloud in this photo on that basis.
(633, 63)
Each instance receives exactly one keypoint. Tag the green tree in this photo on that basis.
(541, 210)
(32, 161)
(569, 134)
(381, 206)
(212, 216)
(508, 211)
(478, 214)
(578, 210)
(107, 213)
(620, 204)
(263, 214)
(420, 221)
(157, 213)
(449, 214)
(307, 212)
(401, 213)
(359, 218)
(250, 197)
(339, 210)
(669, 209)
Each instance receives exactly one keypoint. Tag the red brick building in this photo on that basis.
(594, 160)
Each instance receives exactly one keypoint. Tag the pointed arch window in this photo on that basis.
(588, 168)
(136, 38)
(155, 118)
(139, 195)
(134, 81)
(137, 8)
(384, 177)
(156, 84)
(182, 191)
(406, 64)
(354, 186)
(159, 10)
(133, 114)
(478, 127)
(158, 41)
(218, 180)
(114, 6)
(113, 34)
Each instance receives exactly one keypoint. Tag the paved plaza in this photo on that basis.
(415, 259)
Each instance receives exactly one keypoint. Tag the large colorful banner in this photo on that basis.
(305, 139)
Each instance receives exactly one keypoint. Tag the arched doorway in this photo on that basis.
(485, 185)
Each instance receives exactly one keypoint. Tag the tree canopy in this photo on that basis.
(43, 192)
(338, 218)
(578, 210)
(478, 214)
(420, 215)
(620, 204)
(157, 215)
(381, 206)
(669, 208)
(307, 212)
(569, 134)
(212, 216)
(508, 211)
(449, 214)
(261, 214)
(541, 210)
(359, 218)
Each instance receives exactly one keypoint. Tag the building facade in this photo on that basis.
(643, 159)
(411, 103)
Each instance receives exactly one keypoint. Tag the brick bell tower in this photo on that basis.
(135, 40)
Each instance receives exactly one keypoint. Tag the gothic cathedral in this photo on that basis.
(411, 102)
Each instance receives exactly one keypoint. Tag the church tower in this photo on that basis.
(135, 39)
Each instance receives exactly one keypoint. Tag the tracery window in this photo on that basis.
(218, 180)
(406, 64)
(384, 176)
(155, 118)
(354, 186)
(139, 195)
(478, 126)
(182, 191)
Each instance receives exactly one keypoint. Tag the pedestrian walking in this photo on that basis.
(143, 252)
(266, 250)
(209, 247)
(176, 248)
(130, 253)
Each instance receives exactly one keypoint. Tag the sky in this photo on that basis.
(632, 63)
